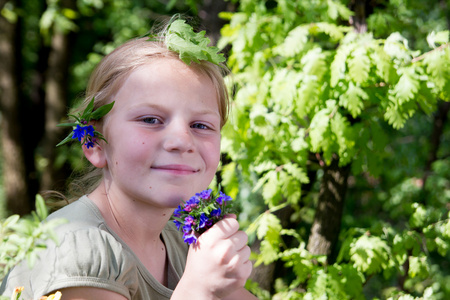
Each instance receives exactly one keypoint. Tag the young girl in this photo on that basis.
(163, 146)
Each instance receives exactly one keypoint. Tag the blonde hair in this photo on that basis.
(114, 69)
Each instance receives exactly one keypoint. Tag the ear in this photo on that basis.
(96, 155)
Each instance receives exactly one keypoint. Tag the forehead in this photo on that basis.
(170, 68)
(168, 77)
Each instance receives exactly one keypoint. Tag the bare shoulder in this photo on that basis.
(89, 293)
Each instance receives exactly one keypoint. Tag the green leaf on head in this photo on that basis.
(191, 46)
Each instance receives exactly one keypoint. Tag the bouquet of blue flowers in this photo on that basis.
(200, 213)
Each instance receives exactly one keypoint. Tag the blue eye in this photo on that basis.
(199, 126)
(151, 120)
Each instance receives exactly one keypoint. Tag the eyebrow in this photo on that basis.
(162, 108)
(143, 104)
(209, 112)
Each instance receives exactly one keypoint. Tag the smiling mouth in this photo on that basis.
(176, 169)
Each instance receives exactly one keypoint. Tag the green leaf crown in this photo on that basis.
(191, 46)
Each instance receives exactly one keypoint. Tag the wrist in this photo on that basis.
(188, 289)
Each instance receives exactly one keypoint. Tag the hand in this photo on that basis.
(218, 264)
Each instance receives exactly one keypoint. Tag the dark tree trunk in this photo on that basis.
(209, 14)
(14, 168)
(263, 274)
(440, 118)
(55, 107)
(35, 119)
(327, 221)
(444, 7)
(358, 20)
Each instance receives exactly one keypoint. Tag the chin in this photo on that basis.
(178, 197)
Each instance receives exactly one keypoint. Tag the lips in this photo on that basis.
(175, 168)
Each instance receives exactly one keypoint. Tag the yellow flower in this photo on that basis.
(17, 291)
(55, 296)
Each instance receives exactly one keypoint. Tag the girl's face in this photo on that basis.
(163, 135)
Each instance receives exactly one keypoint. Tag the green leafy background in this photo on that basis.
(306, 87)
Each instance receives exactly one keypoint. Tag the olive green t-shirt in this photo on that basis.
(89, 254)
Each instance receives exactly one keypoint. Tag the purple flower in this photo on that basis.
(189, 220)
(191, 204)
(203, 221)
(205, 195)
(178, 224)
(216, 212)
(89, 130)
(190, 238)
(193, 201)
(200, 212)
(223, 198)
(178, 211)
(187, 228)
(78, 133)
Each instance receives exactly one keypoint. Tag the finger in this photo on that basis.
(223, 229)
(239, 240)
(241, 262)
(247, 270)
(233, 216)
(241, 256)
(245, 254)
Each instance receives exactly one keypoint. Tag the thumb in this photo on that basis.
(233, 216)
(222, 229)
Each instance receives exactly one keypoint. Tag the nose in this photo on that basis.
(178, 137)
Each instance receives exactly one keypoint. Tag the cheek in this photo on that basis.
(211, 152)
(129, 148)
(138, 152)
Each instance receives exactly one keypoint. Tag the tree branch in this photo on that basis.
(440, 48)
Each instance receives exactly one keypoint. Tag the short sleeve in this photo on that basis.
(87, 257)
(90, 254)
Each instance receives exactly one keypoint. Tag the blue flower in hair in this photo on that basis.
(89, 129)
(90, 144)
(81, 130)
(78, 133)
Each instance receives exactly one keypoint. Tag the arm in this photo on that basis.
(89, 293)
(217, 265)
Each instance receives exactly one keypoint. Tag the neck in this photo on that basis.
(137, 223)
